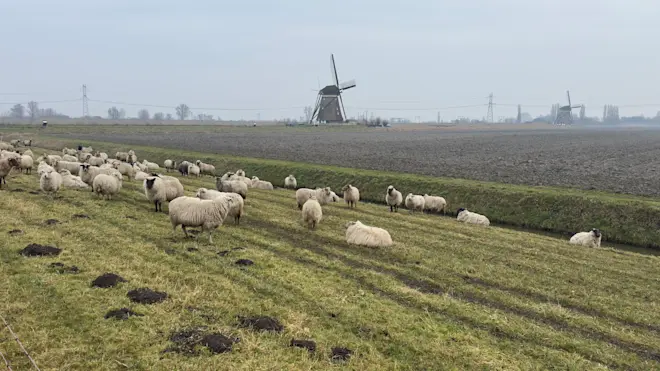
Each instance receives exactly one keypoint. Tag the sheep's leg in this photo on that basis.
(184, 230)
(156, 205)
(237, 220)
(210, 235)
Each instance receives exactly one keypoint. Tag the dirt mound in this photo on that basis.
(18, 190)
(223, 252)
(192, 249)
(35, 249)
(145, 295)
(81, 216)
(107, 280)
(121, 314)
(15, 232)
(310, 345)
(61, 268)
(217, 343)
(131, 217)
(340, 354)
(52, 222)
(186, 341)
(244, 262)
(34, 192)
(261, 323)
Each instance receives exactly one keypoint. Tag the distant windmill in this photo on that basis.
(565, 113)
(329, 104)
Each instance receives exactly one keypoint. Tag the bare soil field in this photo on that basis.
(615, 160)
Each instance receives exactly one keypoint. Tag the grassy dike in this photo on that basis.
(623, 219)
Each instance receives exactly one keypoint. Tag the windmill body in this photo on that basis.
(329, 106)
(565, 113)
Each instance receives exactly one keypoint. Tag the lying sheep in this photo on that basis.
(351, 195)
(169, 165)
(261, 184)
(50, 182)
(73, 167)
(312, 212)
(434, 203)
(234, 186)
(26, 163)
(463, 215)
(323, 196)
(193, 170)
(414, 202)
(194, 212)
(236, 209)
(205, 168)
(6, 164)
(290, 182)
(364, 235)
(151, 166)
(589, 239)
(393, 198)
(231, 176)
(69, 158)
(159, 189)
(183, 168)
(72, 181)
(106, 185)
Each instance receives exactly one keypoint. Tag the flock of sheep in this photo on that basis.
(83, 168)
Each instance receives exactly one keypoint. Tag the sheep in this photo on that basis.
(194, 212)
(69, 158)
(236, 209)
(51, 159)
(243, 179)
(590, 239)
(364, 235)
(193, 170)
(140, 166)
(312, 212)
(73, 167)
(414, 202)
(95, 161)
(290, 182)
(141, 175)
(183, 168)
(88, 173)
(205, 168)
(434, 203)
(43, 167)
(125, 169)
(85, 149)
(6, 146)
(132, 158)
(158, 189)
(72, 181)
(7, 154)
(6, 164)
(50, 181)
(27, 142)
(26, 164)
(15, 142)
(240, 172)
(323, 196)
(351, 195)
(463, 215)
(151, 166)
(84, 156)
(122, 156)
(393, 198)
(101, 155)
(261, 184)
(106, 185)
(28, 152)
(169, 165)
(71, 152)
(234, 186)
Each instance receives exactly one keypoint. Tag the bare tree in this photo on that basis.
(17, 111)
(113, 113)
(159, 116)
(143, 114)
(182, 111)
(33, 110)
(169, 116)
(308, 113)
(122, 113)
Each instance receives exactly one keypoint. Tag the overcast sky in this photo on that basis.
(269, 55)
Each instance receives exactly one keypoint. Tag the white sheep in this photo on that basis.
(205, 168)
(26, 164)
(69, 158)
(169, 165)
(6, 164)
(95, 161)
(102, 155)
(73, 167)
(434, 203)
(193, 170)
(290, 182)
(351, 195)
(194, 212)
(312, 212)
(463, 215)
(159, 189)
(72, 181)
(87, 173)
(261, 184)
(231, 176)
(27, 142)
(43, 167)
(414, 202)
(69, 151)
(85, 149)
(106, 185)
(393, 198)
(322, 195)
(240, 172)
(28, 152)
(125, 169)
(50, 182)
(84, 156)
(364, 235)
(141, 175)
(122, 156)
(151, 166)
(590, 239)
(235, 186)
(236, 209)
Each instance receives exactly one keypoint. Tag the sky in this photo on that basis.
(265, 59)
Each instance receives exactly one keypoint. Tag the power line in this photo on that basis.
(195, 108)
(415, 109)
(44, 102)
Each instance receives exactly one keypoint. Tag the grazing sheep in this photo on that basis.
(589, 239)
(414, 202)
(125, 169)
(141, 175)
(393, 198)
(236, 210)
(322, 195)
(169, 165)
(69, 158)
(95, 161)
(6, 164)
(151, 166)
(463, 215)
(290, 182)
(261, 184)
(351, 195)
(312, 212)
(26, 164)
(122, 156)
(183, 168)
(434, 203)
(194, 212)
(106, 185)
(50, 182)
(6, 146)
(234, 186)
(159, 189)
(73, 167)
(193, 170)
(240, 172)
(364, 235)
(72, 181)
(88, 173)
(205, 168)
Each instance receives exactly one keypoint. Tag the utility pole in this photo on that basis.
(85, 103)
(489, 115)
(438, 117)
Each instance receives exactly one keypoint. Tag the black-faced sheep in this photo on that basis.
(590, 239)
(183, 168)
(393, 198)
(463, 215)
(169, 165)
(159, 189)
(364, 235)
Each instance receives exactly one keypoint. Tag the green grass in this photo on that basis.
(446, 296)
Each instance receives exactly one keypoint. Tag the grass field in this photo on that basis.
(446, 296)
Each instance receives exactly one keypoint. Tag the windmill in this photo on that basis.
(329, 104)
(565, 113)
